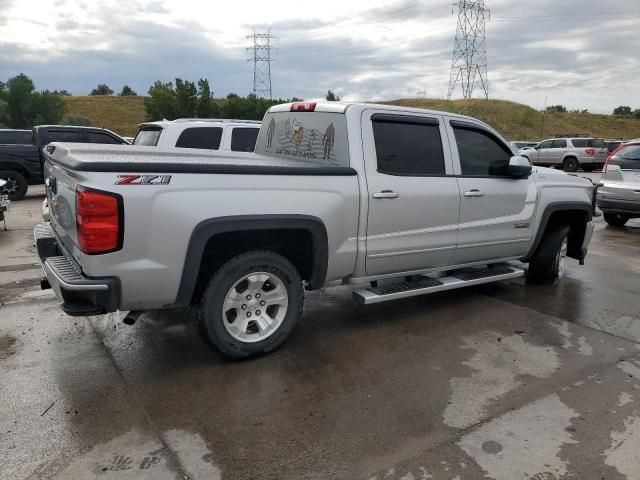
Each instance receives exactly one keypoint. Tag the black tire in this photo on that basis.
(615, 219)
(209, 312)
(16, 186)
(545, 263)
(570, 164)
(588, 167)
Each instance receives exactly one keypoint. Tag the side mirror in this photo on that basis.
(519, 167)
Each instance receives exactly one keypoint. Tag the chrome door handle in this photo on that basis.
(386, 194)
(474, 193)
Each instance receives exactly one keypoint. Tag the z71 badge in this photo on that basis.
(143, 180)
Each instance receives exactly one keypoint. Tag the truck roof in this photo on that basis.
(343, 107)
(164, 123)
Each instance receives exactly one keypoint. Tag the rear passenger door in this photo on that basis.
(413, 205)
(496, 211)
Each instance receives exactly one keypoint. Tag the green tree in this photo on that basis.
(186, 98)
(556, 109)
(622, 110)
(331, 97)
(636, 113)
(161, 102)
(49, 108)
(127, 91)
(62, 93)
(20, 101)
(206, 106)
(101, 89)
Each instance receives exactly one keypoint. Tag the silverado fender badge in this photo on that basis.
(522, 225)
(143, 180)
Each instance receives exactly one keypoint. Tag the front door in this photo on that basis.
(413, 199)
(556, 152)
(496, 211)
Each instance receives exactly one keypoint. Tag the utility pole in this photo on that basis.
(469, 62)
(544, 112)
(261, 57)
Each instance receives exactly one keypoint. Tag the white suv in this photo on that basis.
(570, 153)
(209, 134)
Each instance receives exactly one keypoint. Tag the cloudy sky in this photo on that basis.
(583, 54)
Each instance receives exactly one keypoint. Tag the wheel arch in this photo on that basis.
(305, 229)
(574, 214)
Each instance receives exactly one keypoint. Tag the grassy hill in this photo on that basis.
(521, 122)
(119, 114)
(514, 120)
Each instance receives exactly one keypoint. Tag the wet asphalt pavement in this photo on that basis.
(505, 381)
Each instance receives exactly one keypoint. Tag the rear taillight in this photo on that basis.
(303, 107)
(99, 221)
(611, 155)
(590, 151)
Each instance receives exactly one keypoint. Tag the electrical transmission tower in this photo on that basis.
(469, 63)
(261, 56)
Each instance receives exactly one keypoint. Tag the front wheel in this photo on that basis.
(16, 186)
(548, 263)
(251, 305)
(615, 219)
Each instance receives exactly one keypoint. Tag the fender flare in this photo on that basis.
(207, 229)
(544, 221)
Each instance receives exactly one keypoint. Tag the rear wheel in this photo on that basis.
(16, 186)
(570, 164)
(548, 263)
(251, 305)
(615, 219)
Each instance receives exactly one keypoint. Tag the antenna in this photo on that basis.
(260, 55)
(469, 62)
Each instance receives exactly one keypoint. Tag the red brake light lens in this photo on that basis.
(303, 107)
(99, 221)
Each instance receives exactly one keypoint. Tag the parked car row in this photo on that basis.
(21, 160)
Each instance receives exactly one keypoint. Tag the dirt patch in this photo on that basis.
(7, 346)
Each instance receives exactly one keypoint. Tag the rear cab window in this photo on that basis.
(243, 139)
(12, 137)
(148, 136)
(64, 136)
(318, 138)
(99, 137)
(200, 137)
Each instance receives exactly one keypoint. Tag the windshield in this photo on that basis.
(148, 136)
(628, 158)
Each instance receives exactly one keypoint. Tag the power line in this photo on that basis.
(469, 62)
(260, 55)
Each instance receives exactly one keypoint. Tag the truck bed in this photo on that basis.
(124, 158)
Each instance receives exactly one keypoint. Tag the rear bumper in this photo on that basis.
(616, 205)
(81, 295)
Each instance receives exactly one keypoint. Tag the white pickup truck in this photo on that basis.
(393, 201)
(210, 134)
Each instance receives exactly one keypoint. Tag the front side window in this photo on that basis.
(407, 148)
(559, 144)
(200, 137)
(545, 144)
(480, 153)
(64, 136)
(244, 139)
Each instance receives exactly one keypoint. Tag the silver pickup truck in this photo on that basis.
(393, 201)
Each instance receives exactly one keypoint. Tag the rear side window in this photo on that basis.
(148, 137)
(97, 137)
(64, 136)
(588, 142)
(628, 158)
(244, 139)
(200, 137)
(407, 148)
(559, 144)
(481, 154)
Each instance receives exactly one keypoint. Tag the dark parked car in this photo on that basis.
(21, 161)
(612, 144)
